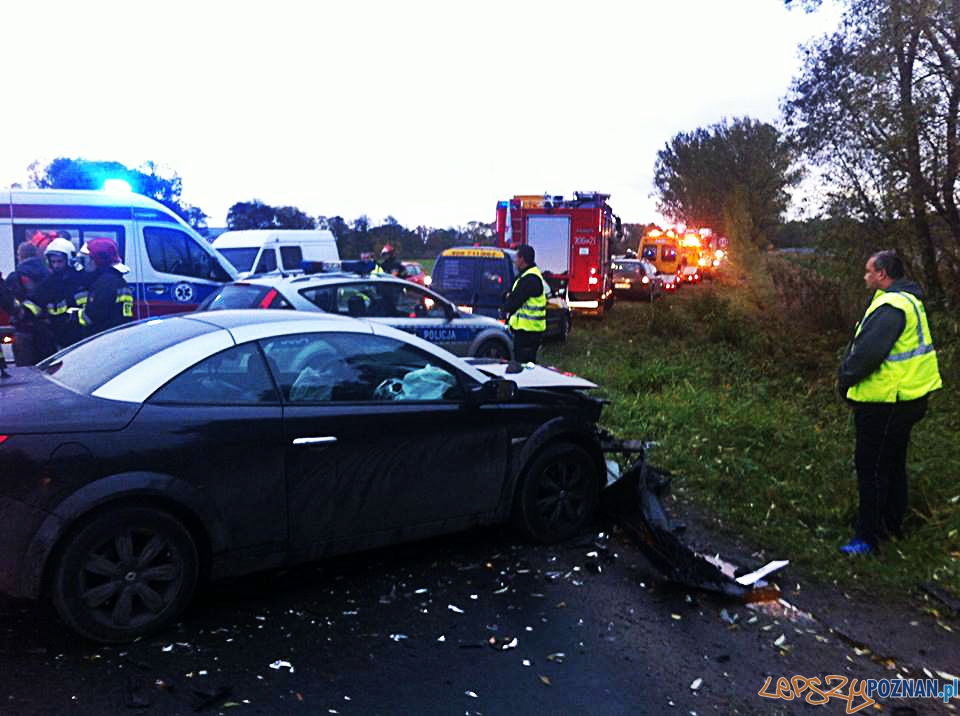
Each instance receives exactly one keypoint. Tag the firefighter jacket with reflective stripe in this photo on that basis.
(532, 315)
(109, 302)
(910, 370)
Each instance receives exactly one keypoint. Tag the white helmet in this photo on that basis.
(61, 246)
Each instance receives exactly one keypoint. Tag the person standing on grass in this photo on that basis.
(526, 306)
(889, 369)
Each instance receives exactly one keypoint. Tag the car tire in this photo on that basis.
(124, 573)
(566, 325)
(495, 349)
(558, 494)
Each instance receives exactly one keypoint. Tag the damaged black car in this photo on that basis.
(139, 462)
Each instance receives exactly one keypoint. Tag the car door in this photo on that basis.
(219, 426)
(381, 444)
(416, 311)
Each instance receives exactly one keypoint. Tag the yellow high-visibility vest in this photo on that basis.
(532, 315)
(910, 371)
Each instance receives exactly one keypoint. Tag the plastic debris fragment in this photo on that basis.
(557, 657)
(399, 637)
(281, 664)
(454, 608)
(696, 684)
(545, 680)
(471, 694)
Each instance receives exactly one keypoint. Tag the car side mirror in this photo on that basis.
(495, 390)
(449, 311)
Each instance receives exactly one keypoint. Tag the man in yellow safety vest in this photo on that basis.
(526, 305)
(889, 369)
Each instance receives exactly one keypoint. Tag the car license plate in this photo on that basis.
(621, 285)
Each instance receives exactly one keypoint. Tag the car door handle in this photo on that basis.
(328, 440)
(159, 290)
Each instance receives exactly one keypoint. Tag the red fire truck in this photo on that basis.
(573, 239)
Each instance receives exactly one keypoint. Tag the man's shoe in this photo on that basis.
(857, 546)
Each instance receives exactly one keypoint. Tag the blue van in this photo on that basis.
(477, 277)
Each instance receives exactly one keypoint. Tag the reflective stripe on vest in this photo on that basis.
(910, 371)
(532, 315)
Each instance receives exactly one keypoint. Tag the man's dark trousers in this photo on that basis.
(883, 434)
(525, 345)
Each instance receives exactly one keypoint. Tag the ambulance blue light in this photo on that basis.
(117, 186)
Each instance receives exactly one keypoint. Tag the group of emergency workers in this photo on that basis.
(53, 302)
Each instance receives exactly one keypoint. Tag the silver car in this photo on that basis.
(375, 297)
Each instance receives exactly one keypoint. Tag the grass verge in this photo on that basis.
(735, 381)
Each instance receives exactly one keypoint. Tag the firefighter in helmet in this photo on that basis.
(63, 292)
(110, 300)
(389, 263)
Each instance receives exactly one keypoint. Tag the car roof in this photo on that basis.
(236, 326)
(313, 279)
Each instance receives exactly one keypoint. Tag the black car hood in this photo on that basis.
(30, 402)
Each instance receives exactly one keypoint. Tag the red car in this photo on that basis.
(416, 273)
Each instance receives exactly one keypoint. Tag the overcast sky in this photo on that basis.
(427, 111)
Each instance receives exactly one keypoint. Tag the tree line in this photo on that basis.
(353, 237)
(874, 117)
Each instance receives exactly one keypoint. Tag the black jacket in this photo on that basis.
(529, 286)
(394, 266)
(103, 309)
(879, 333)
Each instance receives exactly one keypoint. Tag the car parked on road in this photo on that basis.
(219, 443)
(416, 273)
(377, 297)
(636, 278)
(476, 278)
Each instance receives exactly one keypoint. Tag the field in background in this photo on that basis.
(735, 379)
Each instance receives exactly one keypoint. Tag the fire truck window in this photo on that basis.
(669, 253)
(650, 253)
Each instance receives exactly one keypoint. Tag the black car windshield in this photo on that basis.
(82, 367)
(242, 259)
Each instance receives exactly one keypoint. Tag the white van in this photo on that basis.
(260, 251)
(172, 268)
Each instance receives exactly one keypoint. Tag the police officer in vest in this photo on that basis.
(526, 305)
(889, 369)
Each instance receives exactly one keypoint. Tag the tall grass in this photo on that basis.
(736, 381)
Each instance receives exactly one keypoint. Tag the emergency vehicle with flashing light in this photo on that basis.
(573, 240)
(172, 268)
(662, 249)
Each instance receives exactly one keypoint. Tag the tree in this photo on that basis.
(876, 110)
(731, 177)
(148, 180)
(255, 214)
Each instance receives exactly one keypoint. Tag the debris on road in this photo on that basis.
(635, 502)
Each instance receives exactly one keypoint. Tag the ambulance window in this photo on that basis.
(173, 251)
(649, 253)
(43, 234)
(291, 257)
(267, 262)
(669, 253)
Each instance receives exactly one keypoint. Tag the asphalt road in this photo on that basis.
(478, 623)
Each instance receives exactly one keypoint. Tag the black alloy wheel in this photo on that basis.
(493, 349)
(558, 495)
(125, 573)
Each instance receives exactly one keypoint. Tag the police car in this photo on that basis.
(376, 297)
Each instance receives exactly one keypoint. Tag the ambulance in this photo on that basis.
(172, 268)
